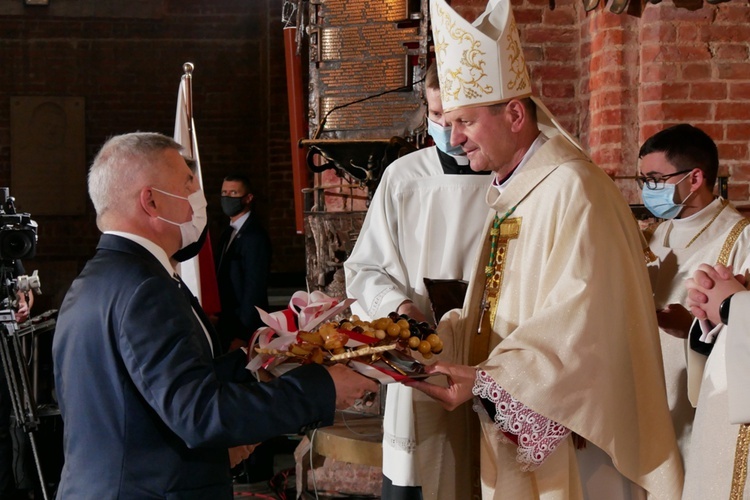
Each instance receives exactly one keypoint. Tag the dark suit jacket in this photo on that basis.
(148, 413)
(242, 275)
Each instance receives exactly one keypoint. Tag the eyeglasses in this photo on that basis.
(654, 183)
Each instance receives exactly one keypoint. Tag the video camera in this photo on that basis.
(17, 231)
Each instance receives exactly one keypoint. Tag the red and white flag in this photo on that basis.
(198, 273)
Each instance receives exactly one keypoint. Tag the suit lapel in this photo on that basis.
(120, 244)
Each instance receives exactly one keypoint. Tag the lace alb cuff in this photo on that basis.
(538, 436)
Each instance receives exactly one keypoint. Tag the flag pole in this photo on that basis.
(188, 77)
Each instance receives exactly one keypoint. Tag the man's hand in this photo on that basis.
(675, 320)
(24, 307)
(407, 307)
(350, 385)
(708, 287)
(460, 383)
(239, 453)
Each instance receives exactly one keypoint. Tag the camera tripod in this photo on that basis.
(17, 377)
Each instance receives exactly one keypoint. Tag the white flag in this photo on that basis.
(184, 133)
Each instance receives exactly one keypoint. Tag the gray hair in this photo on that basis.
(121, 166)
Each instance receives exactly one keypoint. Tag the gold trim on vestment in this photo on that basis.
(509, 230)
(739, 475)
(734, 233)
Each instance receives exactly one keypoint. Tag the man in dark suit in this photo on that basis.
(242, 265)
(147, 410)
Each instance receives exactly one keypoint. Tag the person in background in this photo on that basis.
(557, 339)
(243, 263)
(716, 467)
(426, 220)
(148, 411)
(8, 486)
(678, 170)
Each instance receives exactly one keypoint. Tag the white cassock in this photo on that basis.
(421, 223)
(571, 337)
(680, 246)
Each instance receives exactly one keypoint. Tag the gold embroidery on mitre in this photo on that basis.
(467, 78)
(516, 60)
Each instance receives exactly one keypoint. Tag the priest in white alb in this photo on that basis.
(426, 220)
(557, 339)
(678, 171)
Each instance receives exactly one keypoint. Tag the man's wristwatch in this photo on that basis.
(724, 309)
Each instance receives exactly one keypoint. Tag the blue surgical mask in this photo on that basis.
(442, 137)
(660, 202)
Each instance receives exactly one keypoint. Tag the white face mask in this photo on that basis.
(192, 229)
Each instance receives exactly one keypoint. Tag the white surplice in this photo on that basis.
(421, 223)
(680, 246)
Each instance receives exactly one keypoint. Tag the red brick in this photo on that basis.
(668, 13)
(606, 117)
(658, 32)
(732, 111)
(560, 17)
(739, 173)
(557, 90)
(667, 111)
(733, 71)
(649, 129)
(606, 99)
(607, 58)
(673, 53)
(738, 192)
(708, 91)
(549, 34)
(606, 79)
(610, 38)
(697, 71)
(731, 52)
(660, 73)
(737, 33)
(692, 33)
(731, 13)
(739, 90)
(664, 91)
(734, 150)
(556, 72)
(555, 53)
(738, 131)
(528, 16)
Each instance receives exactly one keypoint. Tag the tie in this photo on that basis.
(227, 238)
(207, 326)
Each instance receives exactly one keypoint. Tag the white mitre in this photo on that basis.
(482, 63)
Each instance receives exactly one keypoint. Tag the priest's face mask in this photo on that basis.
(664, 191)
(436, 125)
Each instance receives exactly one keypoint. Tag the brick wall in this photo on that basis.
(612, 80)
(127, 63)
